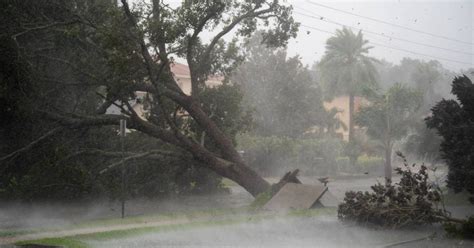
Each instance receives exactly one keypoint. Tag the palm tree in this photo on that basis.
(346, 69)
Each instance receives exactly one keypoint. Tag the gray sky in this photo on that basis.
(452, 19)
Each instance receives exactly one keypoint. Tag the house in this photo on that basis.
(341, 103)
(182, 77)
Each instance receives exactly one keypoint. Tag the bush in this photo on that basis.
(412, 201)
(364, 164)
(373, 165)
(275, 155)
(454, 121)
(464, 230)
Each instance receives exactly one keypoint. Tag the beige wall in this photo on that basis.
(342, 104)
(184, 82)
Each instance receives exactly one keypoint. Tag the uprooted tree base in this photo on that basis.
(412, 201)
(262, 198)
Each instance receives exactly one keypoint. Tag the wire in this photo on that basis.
(322, 18)
(394, 48)
(391, 24)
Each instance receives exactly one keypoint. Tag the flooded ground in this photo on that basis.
(288, 232)
(321, 231)
(14, 215)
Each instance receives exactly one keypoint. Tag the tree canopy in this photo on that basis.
(285, 98)
(346, 68)
(454, 121)
(389, 117)
(102, 54)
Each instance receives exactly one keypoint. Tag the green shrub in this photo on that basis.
(373, 165)
(412, 201)
(464, 230)
(275, 155)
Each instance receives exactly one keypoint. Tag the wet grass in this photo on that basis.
(69, 242)
(228, 183)
(142, 219)
(15, 232)
(160, 217)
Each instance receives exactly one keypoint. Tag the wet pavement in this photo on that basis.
(288, 232)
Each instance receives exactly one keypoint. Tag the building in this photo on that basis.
(182, 77)
(341, 103)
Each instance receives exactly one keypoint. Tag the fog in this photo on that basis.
(287, 232)
(451, 19)
(194, 114)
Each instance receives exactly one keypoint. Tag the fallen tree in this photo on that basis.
(412, 201)
(119, 50)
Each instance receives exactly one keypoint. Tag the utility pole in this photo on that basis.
(123, 127)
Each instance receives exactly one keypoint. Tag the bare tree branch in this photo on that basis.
(192, 41)
(156, 154)
(32, 144)
(100, 110)
(137, 156)
(42, 27)
(229, 28)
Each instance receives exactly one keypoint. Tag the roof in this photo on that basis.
(296, 196)
(180, 69)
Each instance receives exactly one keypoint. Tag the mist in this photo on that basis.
(179, 123)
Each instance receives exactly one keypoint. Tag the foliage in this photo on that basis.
(454, 122)
(364, 165)
(67, 62)
(428, 77)
(423, 143)
(285, 99)
(412, 201)
(390, 113)
(332, 122)
(261, 200)
(345, 68)
(389, 117)
(273, 155)
(464, 230)
(224, 105)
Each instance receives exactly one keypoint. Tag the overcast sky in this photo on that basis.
(450, 19)
(453, 20)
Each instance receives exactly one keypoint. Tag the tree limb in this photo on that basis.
(137, 156)
(229, 28)
(32, 144)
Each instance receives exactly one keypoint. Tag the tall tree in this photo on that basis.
(389, 117)
(285, 98)
(132, 50)
(454, 121)
(346, 69)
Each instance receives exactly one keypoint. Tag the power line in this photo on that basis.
(394, 48)
(324, 19)
(391, 24)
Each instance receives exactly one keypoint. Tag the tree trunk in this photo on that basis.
(388, 149)
(388, 163)
(352, 156)
(232, 166)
